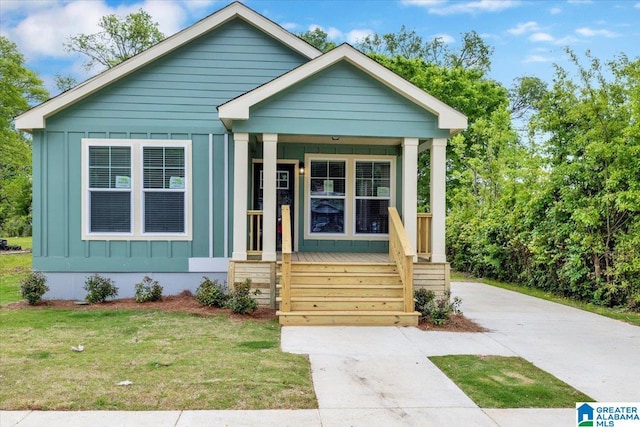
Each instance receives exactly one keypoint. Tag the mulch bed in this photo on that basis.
(186, 303)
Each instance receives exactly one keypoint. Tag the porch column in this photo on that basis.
(240, 186)
(438, 199)
(270, 159)
(410, 190)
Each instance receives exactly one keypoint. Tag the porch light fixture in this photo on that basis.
(301, 168)
(335, 138)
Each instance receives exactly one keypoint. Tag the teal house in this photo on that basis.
(233, 150)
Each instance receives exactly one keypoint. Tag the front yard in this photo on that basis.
(173, 360)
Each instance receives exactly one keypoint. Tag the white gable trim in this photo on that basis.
(238, 108)
(35, 118)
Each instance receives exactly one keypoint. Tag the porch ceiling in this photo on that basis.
(331, 139)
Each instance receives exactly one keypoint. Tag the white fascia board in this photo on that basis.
(35, 118)
(448, 117)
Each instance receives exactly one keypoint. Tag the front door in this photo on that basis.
(285, 194)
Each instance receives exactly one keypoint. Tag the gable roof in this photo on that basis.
(35, 117)
(238, 108)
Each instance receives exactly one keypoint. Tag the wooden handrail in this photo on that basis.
(424, 235)
(285, 270)
(401, 252)
(255, 232)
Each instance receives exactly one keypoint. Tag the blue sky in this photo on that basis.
(528, 36)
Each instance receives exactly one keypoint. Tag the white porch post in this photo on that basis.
(438, 199)
(240, 174)
(410, 190)
(270, 159)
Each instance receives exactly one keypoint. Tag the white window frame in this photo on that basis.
(350, 195)
(356, 197)
(137, 190)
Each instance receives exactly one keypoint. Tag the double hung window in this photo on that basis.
(136, 189)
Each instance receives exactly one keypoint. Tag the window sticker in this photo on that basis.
(123, 181)
(176, 183)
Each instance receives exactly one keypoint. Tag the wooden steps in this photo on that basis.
(345, 294)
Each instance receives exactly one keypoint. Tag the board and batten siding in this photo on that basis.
(341, 100)
(175, 97)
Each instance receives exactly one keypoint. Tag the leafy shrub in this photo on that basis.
(240, 299)
(436, 310)
(99, 289)
(148, 290)
(211, 293)
(33, 286)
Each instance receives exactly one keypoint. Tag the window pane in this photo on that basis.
(161, 165)
(319, 169)
(372, 216)
(164, 212)
(153, 157)
(174, 157)
(98, 177)
(110, 211)
(105, 163)
(337, 170)
(327, 215)
(121, 157)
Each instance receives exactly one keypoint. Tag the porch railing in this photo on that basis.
(255, 232)
(424, 235)
(285, 270)
(401, 253)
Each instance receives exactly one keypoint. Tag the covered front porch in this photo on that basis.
(337, 142)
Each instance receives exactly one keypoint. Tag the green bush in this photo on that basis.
(436, 310)
(99, 289)
(211, 293)
(240, 299)
(148, 290)
(33, 286)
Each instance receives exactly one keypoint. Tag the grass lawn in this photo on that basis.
(627, 316)
(174, 360)
(12, 269)
(507, 382)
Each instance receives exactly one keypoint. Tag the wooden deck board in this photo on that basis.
(337, 257)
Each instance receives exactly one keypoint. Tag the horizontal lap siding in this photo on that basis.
(341, 100)
(173, 98)
(184, 88)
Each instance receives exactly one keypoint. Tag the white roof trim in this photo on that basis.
(238, 108)
(35, 118)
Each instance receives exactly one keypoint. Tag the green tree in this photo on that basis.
(318, 39)
(19, 87)
(119, 40)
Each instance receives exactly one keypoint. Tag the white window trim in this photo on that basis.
(137, 211)
(350, 196)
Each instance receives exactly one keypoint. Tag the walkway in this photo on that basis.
(370, 376)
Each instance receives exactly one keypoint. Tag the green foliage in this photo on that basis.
(240, 299)
(19, 88)
(33, 286)
(562, 213)
(318, 39)
(211, 293)
(148, 290)
(99, 289)
(436, 310)
(119, 40)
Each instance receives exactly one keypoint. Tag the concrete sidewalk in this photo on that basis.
(381, 376)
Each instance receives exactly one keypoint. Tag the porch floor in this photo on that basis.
(341, 257)
(331, 257)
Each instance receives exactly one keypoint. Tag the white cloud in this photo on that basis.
(41, 28)
(555, 10)
(289, 26)
(445, 38)
(444, 7)
(537, 58)
(541, 37)
(588, 32)
(355, 36)
(524, 27)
